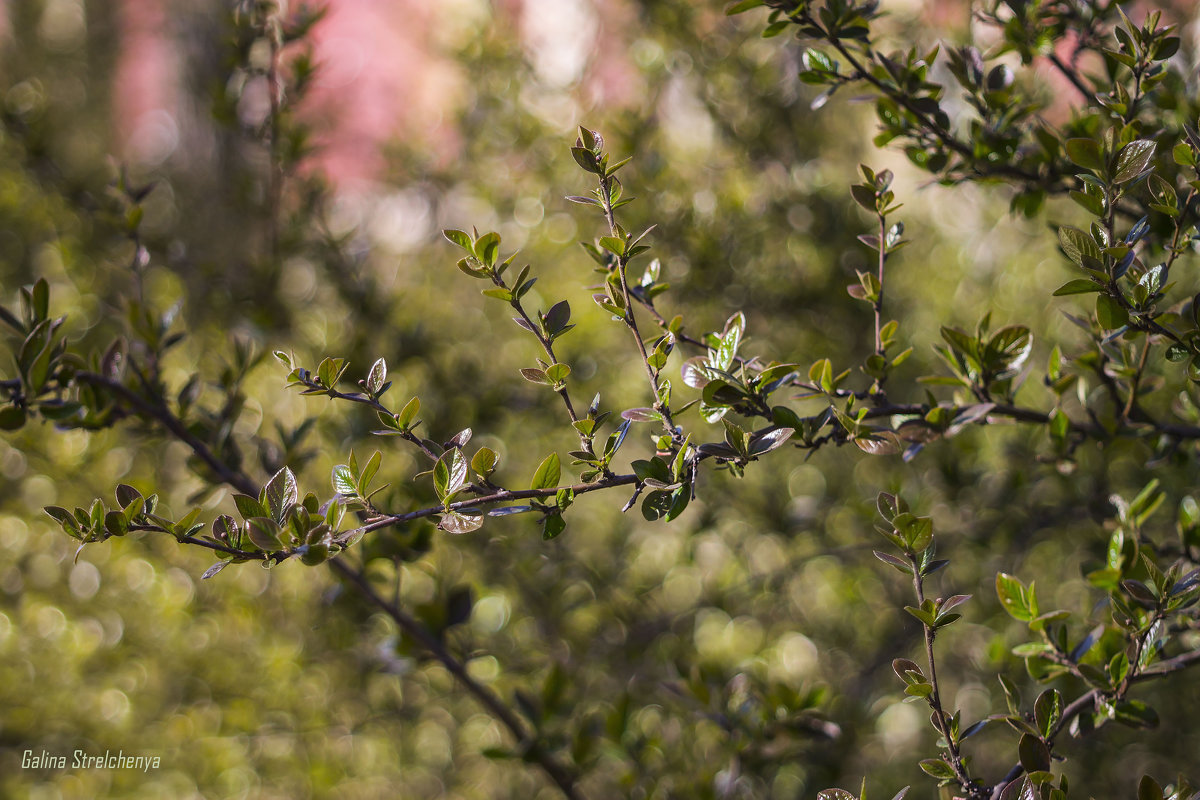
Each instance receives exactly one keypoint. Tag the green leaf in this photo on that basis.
(456, 462)
(487, 248)
(457, 523)
(1048, 711)
(1086, 153)
(485, 461)
(824, 794)
(937, 768)
(547, 474)
(1078, 245)
(1135, 714)
(441, 478)
(864, 195)
(281, 493)
(1013, 597)
(409, 413)
(1110, 313)
(368, 472)
(264, 533)
(613, 245)
(41, 300)
(641, 415)
(500, 294)
(730, 340)
(1077, 286)
(343, 481)
(1033, 753)
(738, 8)
(552, 526)
(249, 506)
(459, 238)
(377, 377)
(1149, 789)
(534, 375)
(1133, 160)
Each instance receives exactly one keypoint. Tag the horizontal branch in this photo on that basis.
(1088, 699)
(502, 496)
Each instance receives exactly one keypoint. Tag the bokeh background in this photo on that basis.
(681, 645)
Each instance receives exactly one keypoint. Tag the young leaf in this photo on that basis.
(281, 493)
(547, 474)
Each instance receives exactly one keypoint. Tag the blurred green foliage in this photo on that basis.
(744, 650)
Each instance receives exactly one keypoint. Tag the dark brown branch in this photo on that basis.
(172, 423)
(532, 749)
(1072, 75)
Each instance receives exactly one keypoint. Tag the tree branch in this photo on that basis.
(532, 750)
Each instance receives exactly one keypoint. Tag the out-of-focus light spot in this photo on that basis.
(13, 531)
(765, 555)
(657, 554)
(528, 211)
(647, 53)
(402, 221)
(89, 634)
(899, 726)
(796, 656)
(681, 589)
(679, 62)
(155, 137)
(299, 280)
(347, 215)
(49, 622)
(114, 705)
(114, 628)
(68, 446)
(418, 586)
(559, 35)
(709, 628)
(561, 228)
(686, 122)
(481, 731)
(12, 462)
(490, 614)
(183, 588)
(116, 463)
(800, 218)
(485, 669)
(712, 553)
(252, 581)
(43, 571)
(63, 25)
(84, 581)
(973, 700)
(5, 628)
(704, 202)
(25, 98)
(38, 491)
(139, 575)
